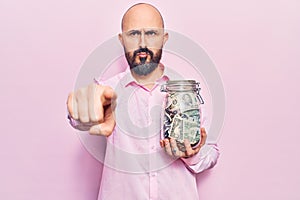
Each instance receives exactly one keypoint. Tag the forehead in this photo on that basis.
(140, 18)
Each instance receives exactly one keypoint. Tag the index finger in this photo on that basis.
(108, 95)
(99, 97)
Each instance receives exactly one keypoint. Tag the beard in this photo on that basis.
(143, 65)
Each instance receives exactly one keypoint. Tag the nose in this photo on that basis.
(142, 40)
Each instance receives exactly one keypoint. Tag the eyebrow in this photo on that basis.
(152, 29)
(134, 30)
(145, 29)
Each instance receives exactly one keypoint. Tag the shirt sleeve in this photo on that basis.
(79, 125)
(205, 159)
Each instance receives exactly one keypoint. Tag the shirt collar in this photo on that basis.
(129, 80)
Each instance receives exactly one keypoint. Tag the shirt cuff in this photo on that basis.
(206, 158)
(197, 157)
(79, 125)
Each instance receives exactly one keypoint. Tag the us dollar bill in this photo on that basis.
(176, 130)
(191, 131)
(191, 126)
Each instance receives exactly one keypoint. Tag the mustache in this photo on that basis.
(144, 50)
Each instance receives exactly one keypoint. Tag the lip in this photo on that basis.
(142, 54)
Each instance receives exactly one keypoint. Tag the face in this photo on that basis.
(143, 37)
(143, 49)
(187, 98)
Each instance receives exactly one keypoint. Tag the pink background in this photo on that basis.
(255, 45)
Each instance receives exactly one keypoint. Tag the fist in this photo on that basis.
(93, 105)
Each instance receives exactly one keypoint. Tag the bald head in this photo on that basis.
(142, 15)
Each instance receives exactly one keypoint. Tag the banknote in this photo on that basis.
(188, 101)
(191, 126)
(192, 115)
(176, 130)
(191, 132)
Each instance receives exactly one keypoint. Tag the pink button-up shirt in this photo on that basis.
(135, 165)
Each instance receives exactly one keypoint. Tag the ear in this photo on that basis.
(166, 37)
(121, 39)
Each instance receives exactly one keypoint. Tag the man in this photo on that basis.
(138, 163)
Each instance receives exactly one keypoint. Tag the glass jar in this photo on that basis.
(181, 118)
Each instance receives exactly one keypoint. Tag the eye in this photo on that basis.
(151, 33)
(135, 33)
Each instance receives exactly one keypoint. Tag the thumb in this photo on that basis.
(101, 129)
(203, 137)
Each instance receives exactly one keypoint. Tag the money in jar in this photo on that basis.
(181, 118)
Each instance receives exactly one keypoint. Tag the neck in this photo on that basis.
(148, 81)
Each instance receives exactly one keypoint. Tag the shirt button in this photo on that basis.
(154, 174)
(153, 147)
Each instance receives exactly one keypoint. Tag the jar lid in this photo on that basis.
(181, 82)
(180, 85)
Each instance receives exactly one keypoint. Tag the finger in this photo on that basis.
(162, 144)
(188, 148)
(108, 95)
(168, 147)
(107, 126)
(95, 107)
(101, 129)
(197, 149)
(82, 102)
(175, 151)
(99, 97)
(203, 137)
(72, 106)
